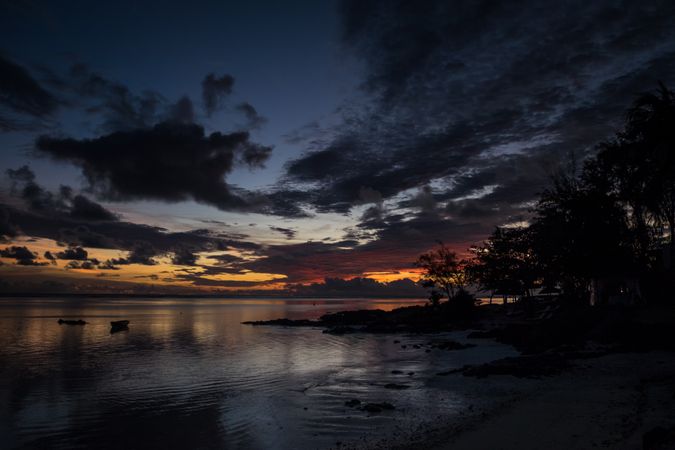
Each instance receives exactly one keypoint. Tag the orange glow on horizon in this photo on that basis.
(388, 277)
(166, 274)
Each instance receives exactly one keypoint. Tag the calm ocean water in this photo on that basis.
(187, 374)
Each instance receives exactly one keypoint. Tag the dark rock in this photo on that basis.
(353, 402)
(71, 322)
(377, 407)
(359, 317)
(284, 323)
(416, 319)
(397, 372)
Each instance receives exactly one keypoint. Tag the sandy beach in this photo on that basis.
(605, 402)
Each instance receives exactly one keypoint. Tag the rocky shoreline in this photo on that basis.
(569, 332)
(558, 354)
(409, 319)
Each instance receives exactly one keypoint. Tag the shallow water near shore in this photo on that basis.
(188, 374)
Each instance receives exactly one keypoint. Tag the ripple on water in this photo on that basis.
(191, 375)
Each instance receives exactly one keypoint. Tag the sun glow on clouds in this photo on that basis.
(162, 273)
(253, 277)
(388, 277)
(213, 271)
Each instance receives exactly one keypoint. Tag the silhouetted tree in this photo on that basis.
(443, 273)
(603, 222)
(580, 233)
(640, 162)
(506, 262)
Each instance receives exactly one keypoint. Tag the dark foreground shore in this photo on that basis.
(617, 401)
(586, 378)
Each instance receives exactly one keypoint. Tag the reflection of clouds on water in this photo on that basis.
(188, 373)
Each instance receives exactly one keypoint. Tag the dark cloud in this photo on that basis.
(7, 228)
(156, 131)
(71, 233)
(142, 241)
(288, 203)
(22, 95)
(120, 109)
(197, 278)
(424, 201)
(107, 265)
(73, 253)
(254, 120)
(169, 162)
(21, 175)
(226, 259)
(84, 209)
(153, 277)
(215, 90)
(184, 257)
(84, 265)
(23, 256)
(288, 232)
(182, 111)
(469, 97)
(142, 252)
(23, 185)
(62, 203)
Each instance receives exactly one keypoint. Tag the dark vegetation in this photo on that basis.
(602, 233)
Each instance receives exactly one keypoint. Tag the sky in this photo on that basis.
(295, 148)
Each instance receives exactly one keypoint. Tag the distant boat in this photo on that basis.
(119, 325)
(72, 322)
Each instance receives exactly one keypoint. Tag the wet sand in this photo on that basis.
(605, 402)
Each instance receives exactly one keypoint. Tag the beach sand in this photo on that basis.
(605, 402)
